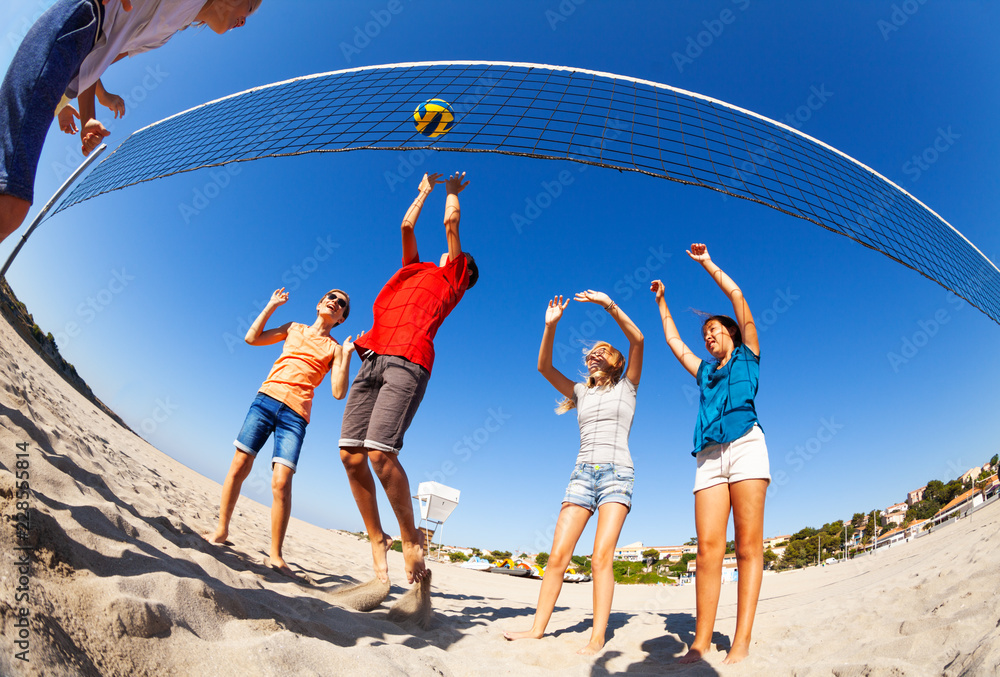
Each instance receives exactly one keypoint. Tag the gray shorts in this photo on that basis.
(383, 399)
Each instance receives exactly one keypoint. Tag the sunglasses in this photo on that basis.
(340, 302)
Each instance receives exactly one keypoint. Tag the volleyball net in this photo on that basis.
(561, 113)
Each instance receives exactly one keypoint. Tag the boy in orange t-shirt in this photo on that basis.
(283, 405)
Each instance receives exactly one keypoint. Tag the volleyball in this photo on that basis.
(434, 117)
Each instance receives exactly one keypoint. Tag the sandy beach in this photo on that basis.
(119, 582)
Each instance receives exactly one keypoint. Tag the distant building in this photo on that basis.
(895, 518)
(774, 540)
(957, 506)
(970, 475)
(631, 552)
(894, 514)
(916, 495)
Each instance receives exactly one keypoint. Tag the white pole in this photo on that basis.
(874, 534)
(48, 205)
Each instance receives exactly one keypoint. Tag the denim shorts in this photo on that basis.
(383, 399)
(591, 486)
(268, 415)
(43, 66)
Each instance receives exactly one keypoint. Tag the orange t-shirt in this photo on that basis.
(304, 362)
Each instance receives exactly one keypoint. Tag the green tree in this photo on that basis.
(541, 559)
(922, 510)
(682, 565)
(769, 558)
(858, 519)
(936, 492)
(995, 460)
(692, 541)
(651, 554)
(458, 557)
(501, 554)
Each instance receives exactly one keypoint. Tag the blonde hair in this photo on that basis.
(599, 379)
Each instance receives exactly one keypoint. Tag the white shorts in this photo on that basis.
(741, 459)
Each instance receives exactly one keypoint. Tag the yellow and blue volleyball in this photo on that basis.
(434, 117)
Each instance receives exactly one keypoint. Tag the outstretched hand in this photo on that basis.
(91, 135)
(278, 297)
(555, 310)
(591, 296)
(699, 253)
(455, 185)
(114, 103)
(428, 182)
(66, 119)
(657, 287)
(348, 344)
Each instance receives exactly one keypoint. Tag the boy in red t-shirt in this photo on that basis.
(283, 405)
(397, 354)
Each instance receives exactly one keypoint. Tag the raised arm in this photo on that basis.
(551, 374)
(632, 333)
(256, 335)
(688, 360)
(741, 311)
(91, 130)
(452, 214)
(341, 367)
(112, 102)
(410, 253)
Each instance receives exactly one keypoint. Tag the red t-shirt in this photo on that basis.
(411, 307)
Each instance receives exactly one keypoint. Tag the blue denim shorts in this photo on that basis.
(268, 415)
(591, 486)
(43, 66)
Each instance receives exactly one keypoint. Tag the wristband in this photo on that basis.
(610, 306)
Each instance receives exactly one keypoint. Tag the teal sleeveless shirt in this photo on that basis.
(726, 411)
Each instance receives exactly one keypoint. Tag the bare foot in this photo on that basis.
(413, 556)
(736, 654)
(380, 552)
(529, 634)
(217, 537)
(593, 646)
(692, 656)
(280, 566)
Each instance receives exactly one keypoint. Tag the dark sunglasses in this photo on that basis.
(340, 302)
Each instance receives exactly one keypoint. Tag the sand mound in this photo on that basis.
(119, 582)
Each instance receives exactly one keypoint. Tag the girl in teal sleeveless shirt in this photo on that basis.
(733, 471)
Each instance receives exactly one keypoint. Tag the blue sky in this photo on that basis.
(161, 280)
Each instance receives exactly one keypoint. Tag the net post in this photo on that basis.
(48, 205)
